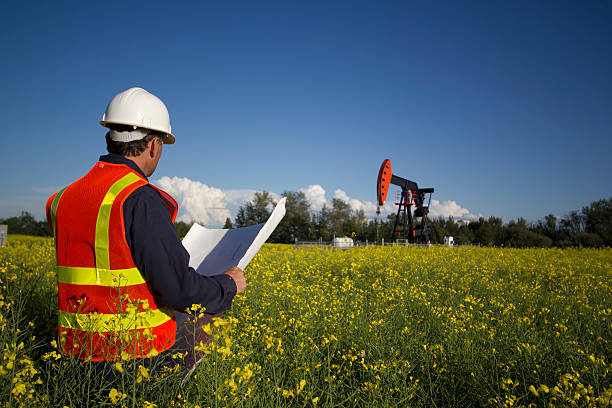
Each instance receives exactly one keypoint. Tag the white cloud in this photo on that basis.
(444, 209)
(315, 194)
(368, 207)
(450, 208)
(204, 204)
(239, 196)
(210, 206)
(197, 201)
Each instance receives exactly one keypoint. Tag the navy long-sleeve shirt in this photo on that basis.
(160, 256)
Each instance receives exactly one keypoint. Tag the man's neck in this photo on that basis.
(118, 159)
(140, 162)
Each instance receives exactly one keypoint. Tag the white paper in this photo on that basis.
(213, 251)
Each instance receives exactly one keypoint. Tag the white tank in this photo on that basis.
(343, 243)
(3, 234)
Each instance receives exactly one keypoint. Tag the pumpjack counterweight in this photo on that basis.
(409, 225)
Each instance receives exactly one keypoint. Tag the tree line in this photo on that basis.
(26, 224)
(589, 227)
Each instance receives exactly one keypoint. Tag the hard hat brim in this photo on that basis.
(167, 139)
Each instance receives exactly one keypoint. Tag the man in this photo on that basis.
(122, 270)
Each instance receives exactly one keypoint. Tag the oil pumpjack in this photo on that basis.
(409, 225)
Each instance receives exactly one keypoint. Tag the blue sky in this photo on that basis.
(505, 108)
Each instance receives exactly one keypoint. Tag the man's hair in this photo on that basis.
(133, 148)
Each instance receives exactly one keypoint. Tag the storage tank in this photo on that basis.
(3, 234)
(343, 243)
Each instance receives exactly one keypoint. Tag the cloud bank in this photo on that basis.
(210, 206)
(450, 208)
(197, 201)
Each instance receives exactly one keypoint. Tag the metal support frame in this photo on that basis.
(407, 225)
(404, 217)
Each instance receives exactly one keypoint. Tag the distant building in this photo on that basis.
(3, 234)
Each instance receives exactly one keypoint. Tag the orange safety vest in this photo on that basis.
(106, 308)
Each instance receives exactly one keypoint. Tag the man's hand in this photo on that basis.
(238, 276)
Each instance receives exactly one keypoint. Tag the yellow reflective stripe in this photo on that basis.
(96, 322)
(54, 205)
(103, 221)
(99, 277)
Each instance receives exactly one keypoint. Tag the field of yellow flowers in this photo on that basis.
(372, 327)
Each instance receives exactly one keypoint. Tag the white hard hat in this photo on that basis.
(137, 107)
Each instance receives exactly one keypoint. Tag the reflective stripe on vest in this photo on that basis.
(54, 205)
(100, 323)
(103, 221)
(99, 276)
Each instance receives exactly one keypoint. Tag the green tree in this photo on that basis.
(518, 235)
(255, 211)
(598, 219)
(573, 223)
(442, 229)
(385, 228)
(550, 226)
(321, 222)
(488, 232)
(340, 218)
(370, 230)
(588, 239)
(26, 224)
(358, 224)
(182, 228)
(228, 223)
(465, 235)
(297, 223)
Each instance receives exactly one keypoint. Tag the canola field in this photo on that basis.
(372, 327)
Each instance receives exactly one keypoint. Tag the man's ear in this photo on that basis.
(153, 147)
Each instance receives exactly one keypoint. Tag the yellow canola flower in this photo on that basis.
(19, 389)
(207, 329)
(51, 355)
(116, 396)
(143, 374)
(544, 388)
(300, 386)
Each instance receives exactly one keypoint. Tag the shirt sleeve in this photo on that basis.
(160, 256)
